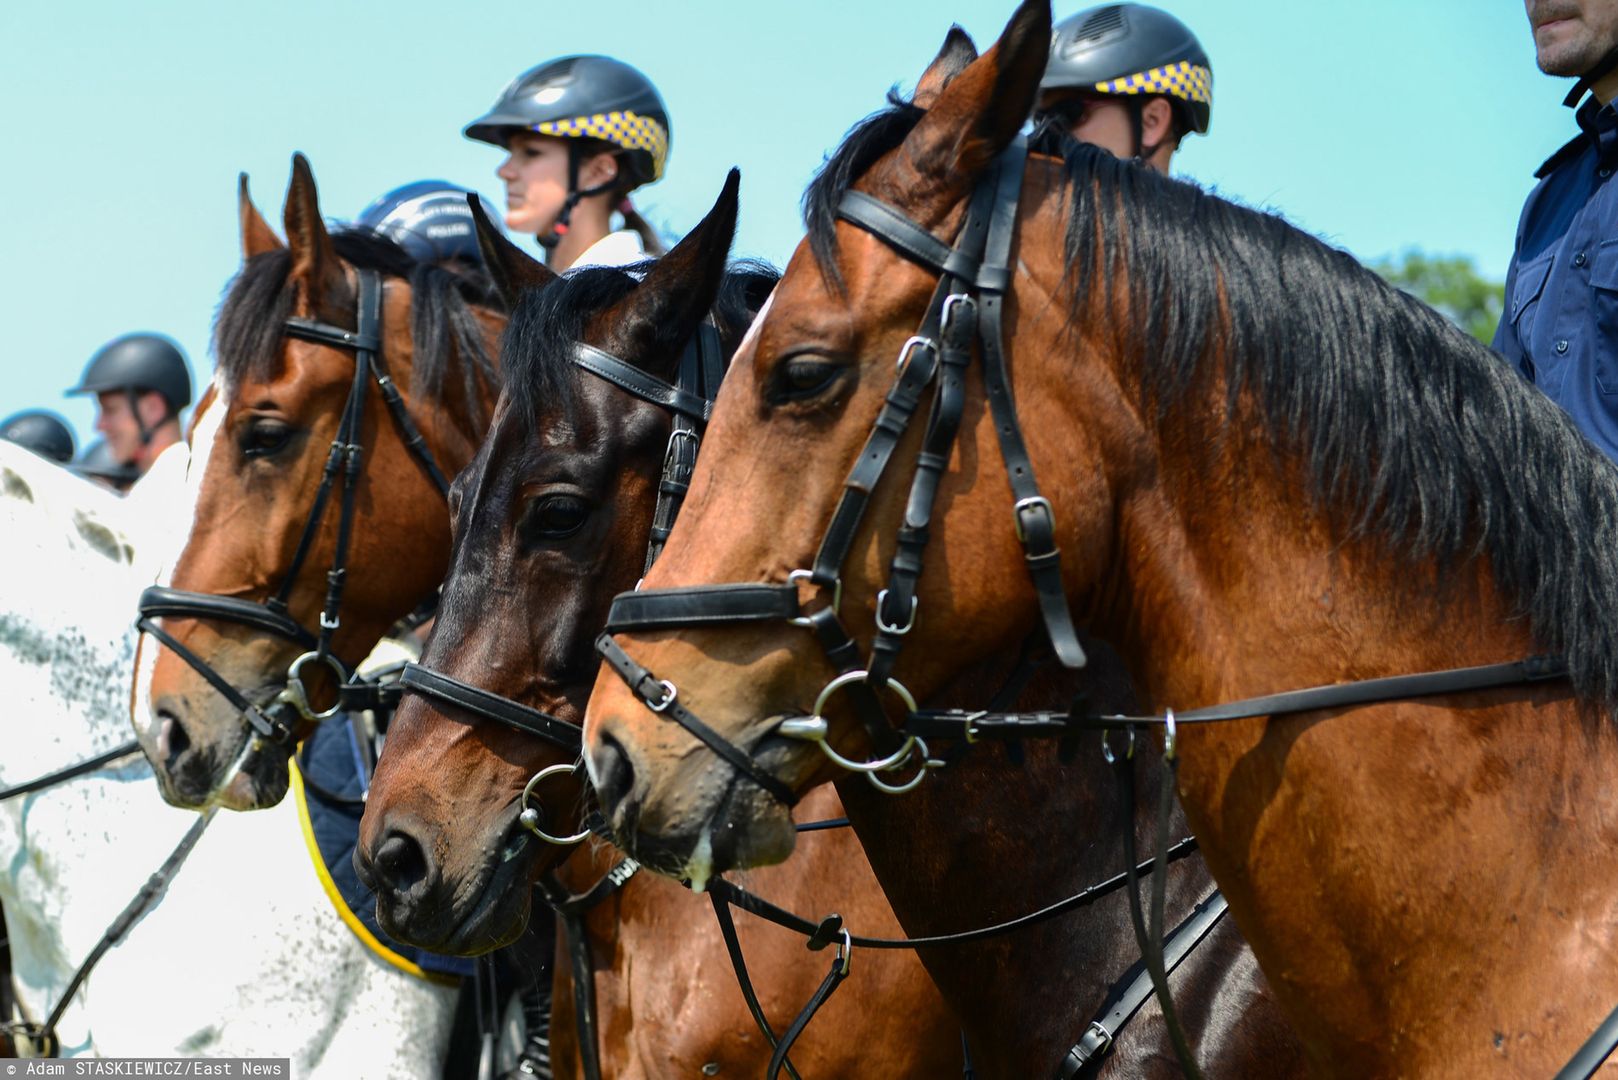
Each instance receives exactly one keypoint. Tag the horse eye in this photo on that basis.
(265, 437)
(555, 517)
(804, 377)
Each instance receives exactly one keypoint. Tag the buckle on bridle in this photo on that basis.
(893, 628)
(908, 349)
(1022, 506)
(836, 594)
(662, 704)
(674, 439)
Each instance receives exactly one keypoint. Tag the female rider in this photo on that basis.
(581, 133)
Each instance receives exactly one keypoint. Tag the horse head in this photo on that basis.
(317, 515)
(551, 519)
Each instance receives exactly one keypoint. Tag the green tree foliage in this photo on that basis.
(1453, 285)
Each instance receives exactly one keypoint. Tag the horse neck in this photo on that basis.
(1228, 580)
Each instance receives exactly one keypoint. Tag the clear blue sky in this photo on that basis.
(1378, 125)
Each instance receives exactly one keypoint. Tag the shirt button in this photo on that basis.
(1604, 173)
(1561, 346)
(1579, 259)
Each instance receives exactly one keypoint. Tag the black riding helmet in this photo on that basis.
(45, 433)
(1133, 51)
(585, 97)
(97, 461)
(136, 363)
(429, 219)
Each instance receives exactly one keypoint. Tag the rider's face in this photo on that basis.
(535, 174)
(1095, 119)
(1571, 36)
(116, 421)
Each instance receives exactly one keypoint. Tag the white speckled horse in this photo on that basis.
(243, 955)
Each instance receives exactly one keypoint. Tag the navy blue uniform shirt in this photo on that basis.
(1560, 324)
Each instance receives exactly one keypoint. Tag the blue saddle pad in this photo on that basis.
(333, 760)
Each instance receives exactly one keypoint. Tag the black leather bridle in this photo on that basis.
(974, 275)
(967, 305)
(690, 401)
(343, 465)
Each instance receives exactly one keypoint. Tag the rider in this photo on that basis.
(1558, 322)
(45, 433)
(141, 382)
(581, 133)
(429, 219)
(1130, 79)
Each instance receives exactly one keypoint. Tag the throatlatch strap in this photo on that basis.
(441, 688)
(660, 696)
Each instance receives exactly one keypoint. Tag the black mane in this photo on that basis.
(249, 330)
(1413, 434)
(537, 352)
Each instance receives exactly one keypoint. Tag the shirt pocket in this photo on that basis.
(1529, 285)
(1604, 303)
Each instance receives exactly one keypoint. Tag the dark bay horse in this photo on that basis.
(260, 443)
(1266, 470)
(552, 518)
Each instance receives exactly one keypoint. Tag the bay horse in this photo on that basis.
(241, 955)
(552, 518)
(1265, 469)
(1026, 999)
(262, 539)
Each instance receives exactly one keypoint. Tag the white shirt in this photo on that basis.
(619, 248)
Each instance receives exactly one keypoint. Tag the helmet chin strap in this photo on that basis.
(146, 433)
(564, 217)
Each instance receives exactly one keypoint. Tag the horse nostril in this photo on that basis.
(401, 864)
(172, 741)
(614, 775)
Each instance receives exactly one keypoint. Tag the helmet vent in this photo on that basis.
(1105, 21)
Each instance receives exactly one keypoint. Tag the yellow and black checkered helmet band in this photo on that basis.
(1184, 80)
(628, 130)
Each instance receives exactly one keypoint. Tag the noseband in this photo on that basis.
(343, 464)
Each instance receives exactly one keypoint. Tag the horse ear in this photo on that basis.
(957, 52)
(512, 268)
(679, 291)
(314, 259)
(979, 111)
(257, 237)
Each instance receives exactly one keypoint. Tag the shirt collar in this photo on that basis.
(1600, 124)
(619, 248)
